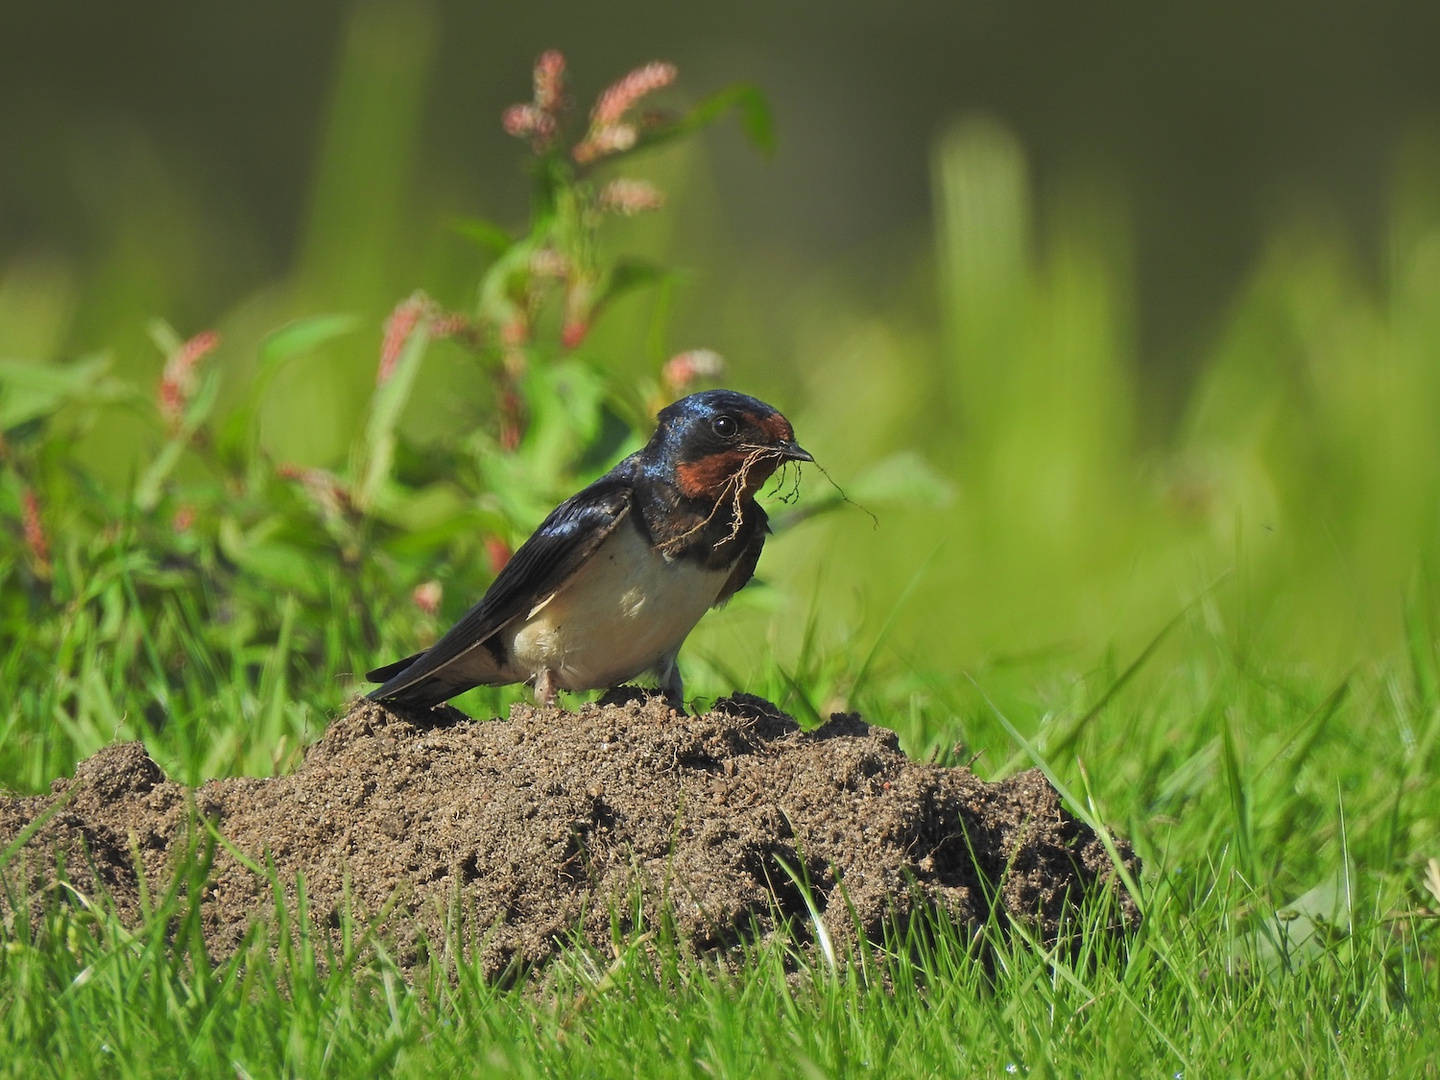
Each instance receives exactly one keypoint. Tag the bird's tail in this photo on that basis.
(389, 671)
(420, 689)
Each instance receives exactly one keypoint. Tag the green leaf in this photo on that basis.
(565, 400)
(164, 336)
(628, 275)
(282, 345)
(416, 510)
(203, 402)
(425, 542)
(291, 568)
(903, 479)
(304, 335)
(377, 447)
(756, 119)
(148, 488)
(484, 233)
(31, 390)
(1306, 928)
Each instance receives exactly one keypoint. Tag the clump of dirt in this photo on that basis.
(552, 821)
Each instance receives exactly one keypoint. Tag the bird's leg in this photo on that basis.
(671, 684)
(545, 687)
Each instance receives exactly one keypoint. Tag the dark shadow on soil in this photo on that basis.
(550, 820)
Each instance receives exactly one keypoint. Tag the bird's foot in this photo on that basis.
(672, 687)
(545, 689)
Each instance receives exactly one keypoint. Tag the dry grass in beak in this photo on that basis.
(734, 490)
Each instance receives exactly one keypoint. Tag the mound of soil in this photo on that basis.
(552, 821)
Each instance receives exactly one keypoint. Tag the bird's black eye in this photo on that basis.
(725, 426)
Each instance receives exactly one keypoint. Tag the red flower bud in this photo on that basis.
(574, 333)
(497, 553)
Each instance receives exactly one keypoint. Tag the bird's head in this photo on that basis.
(722, 443)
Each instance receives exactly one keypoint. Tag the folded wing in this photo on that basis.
(544, 564)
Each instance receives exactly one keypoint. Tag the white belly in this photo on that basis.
(625, 612)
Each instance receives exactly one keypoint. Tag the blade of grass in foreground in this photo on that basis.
(1079, 809)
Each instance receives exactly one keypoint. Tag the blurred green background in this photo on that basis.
(1095, 307)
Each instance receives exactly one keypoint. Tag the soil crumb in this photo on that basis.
(552, 822)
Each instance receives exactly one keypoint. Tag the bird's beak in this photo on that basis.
(793, 451)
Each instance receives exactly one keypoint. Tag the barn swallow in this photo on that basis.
(610, 584)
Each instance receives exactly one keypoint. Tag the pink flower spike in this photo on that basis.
(35, 538)
(427, 596)
(526, 121)
(550, 81)
(326, 490)
(579, 305)
(195, 350)
(512, 423)
(684, 369)
(617, 100)
(538, 120)
(398, 328)
(177, 383)
(515, 331)
(549, 263)
(630, 197)
(521, 120)
(605, 140)
(445, 326)
(171, 400)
